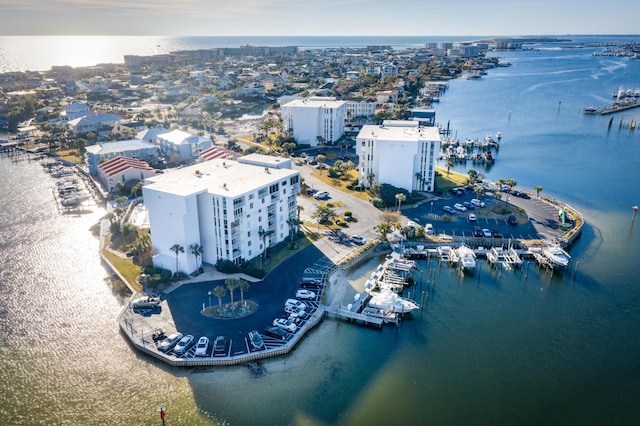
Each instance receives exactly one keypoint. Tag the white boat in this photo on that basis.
(557, 256)
(385, 315)
(467, 257)
(498, 135)
(387, 300)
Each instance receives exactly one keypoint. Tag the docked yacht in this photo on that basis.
(387, 300)
(467, 258)
(557, 256)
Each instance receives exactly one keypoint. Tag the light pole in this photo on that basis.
(431, 211)
(209, 299)
(635, 210)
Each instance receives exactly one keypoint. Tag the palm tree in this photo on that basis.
(538, 189)
(449, 166)
(177, 249)
(242, 286)
(231, 284)
(263, 234)
(370, 177)
(400, 197)
(220, 292)
(292, 222)
(196, 250)
(299, 208)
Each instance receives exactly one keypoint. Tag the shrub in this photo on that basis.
(348, 213)
(227, 266)
(378, 203)
(341, 223)
(249, 269)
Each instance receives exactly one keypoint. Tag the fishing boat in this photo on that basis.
(387, 300)
(557, 256)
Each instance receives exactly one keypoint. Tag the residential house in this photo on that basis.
(123, 170)
(132, 148)
(180, 146)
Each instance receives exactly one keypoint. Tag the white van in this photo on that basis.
(428, 228)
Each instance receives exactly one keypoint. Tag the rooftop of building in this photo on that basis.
(119, 146)
(226, 178)
(399, 130)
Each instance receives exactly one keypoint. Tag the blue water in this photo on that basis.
(495, 348)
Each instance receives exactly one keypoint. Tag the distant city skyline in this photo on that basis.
(330, 17)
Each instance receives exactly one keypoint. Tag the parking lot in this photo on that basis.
(180, 309)
(540, 222)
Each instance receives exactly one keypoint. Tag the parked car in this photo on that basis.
(428, 228)
(202, 346)
(449, 210)
(472, 217)
(321, 195)
(486, 233)
(358, 239)
(285, 324)
(276, 333)
(469, 206)
(296, 303)
(305, 294)
(220, 344)
(145, 302)
(456, 192)
(183, 345)
(477, 202)
(256, 340)
(477, 232)
(169, 342)
(496, 234)
(512, 220)
(292, 310)
(460, 207)
(524, 195)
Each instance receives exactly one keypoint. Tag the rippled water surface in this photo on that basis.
(494, 348)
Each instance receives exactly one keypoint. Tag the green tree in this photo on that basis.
(449, 165)
(177, 249)
(323, 214)
(400, 198)
(292, 222)
(196, 250)
(264, 234)
(232, 285)
(242, 286)
(538, 189)
(220, 292)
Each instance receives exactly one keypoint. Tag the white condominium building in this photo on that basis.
(316, 116)
(226, 207)
(399, 153)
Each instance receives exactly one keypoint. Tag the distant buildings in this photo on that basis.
(230, 209)
(133, 148)
(400, 153)
(313, 117)
(180, 146)
(123, 170)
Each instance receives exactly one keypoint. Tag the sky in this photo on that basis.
(319, 17)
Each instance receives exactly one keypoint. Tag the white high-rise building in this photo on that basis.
(314, 116)
(400, 153)
(224, 206)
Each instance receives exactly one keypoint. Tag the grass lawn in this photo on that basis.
(283, 251)
(341, 184)
(126, 267)
(445, 182)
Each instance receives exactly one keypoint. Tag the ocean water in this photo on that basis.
(495, 348)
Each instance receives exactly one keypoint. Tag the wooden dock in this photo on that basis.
(340, 313)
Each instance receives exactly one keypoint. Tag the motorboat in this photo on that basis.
(467, 258)
(387, 300)
(557, 256)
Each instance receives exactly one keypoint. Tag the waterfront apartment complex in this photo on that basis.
(229, 208)
(400, 153)
(313, 117)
